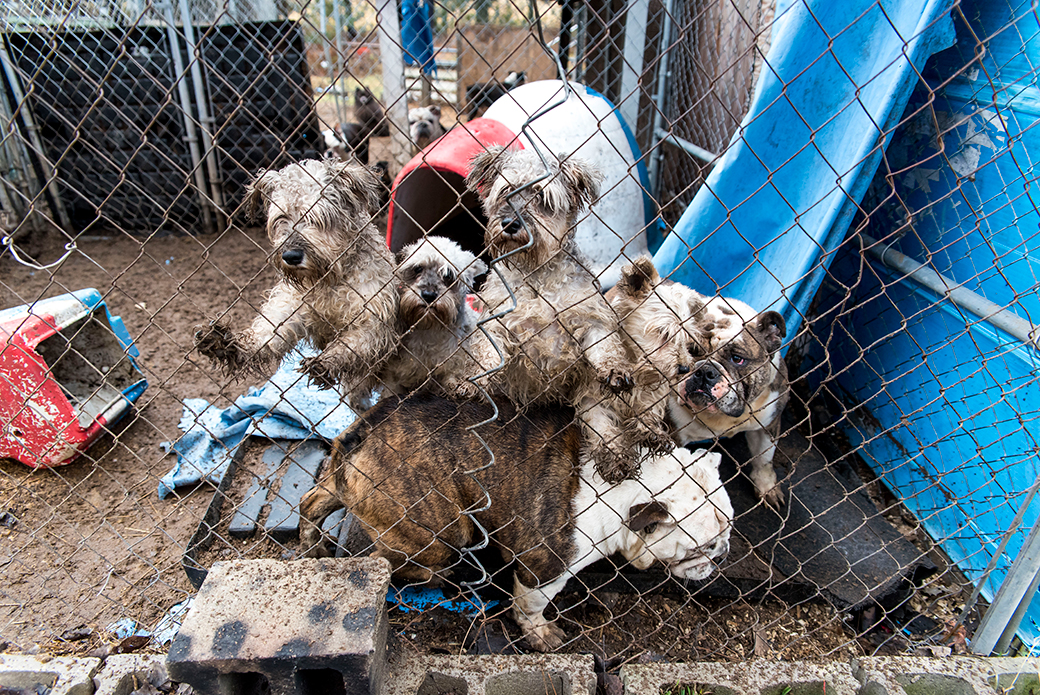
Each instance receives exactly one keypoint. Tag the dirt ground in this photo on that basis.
(90, 542)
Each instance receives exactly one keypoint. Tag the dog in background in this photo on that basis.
(369, 113)
(399, 469)
(481, 95)
(737, 383)
(435, 277)
(345, 141)
(424, 125)
(336, 287)
(352, 138)
(561, 343)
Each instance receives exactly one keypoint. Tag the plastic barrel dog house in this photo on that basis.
(426, 193)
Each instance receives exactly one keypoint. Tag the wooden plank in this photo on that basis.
(283, 521)
(243, 524)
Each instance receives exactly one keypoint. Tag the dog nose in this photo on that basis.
(511, 226)
(704, 378)
(292, 256)
(428, 296)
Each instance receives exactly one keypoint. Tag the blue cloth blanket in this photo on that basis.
(286, 407)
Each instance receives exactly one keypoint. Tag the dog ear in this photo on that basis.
(258, 191)
(772, 328)
(469, 275)
(582, 180)
(484, 167)
(646, 513)
(640, 278)
(356, 183)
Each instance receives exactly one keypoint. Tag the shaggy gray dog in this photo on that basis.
(336, 287)
(561, 343)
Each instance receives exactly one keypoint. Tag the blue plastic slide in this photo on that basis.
(778, 202)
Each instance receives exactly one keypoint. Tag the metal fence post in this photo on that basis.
(394, 95)
(190, 136)
(205, 120)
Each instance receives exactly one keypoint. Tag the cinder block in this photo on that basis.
(122, 674)
(62, 675)
(530, 674)
(957, 675)
(309, 626)
(758, 677)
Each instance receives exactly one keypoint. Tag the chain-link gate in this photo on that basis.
(861, 177)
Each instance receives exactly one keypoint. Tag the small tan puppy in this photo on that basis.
(561, 342)
(400, 470)
(337, 285)
(434, 279)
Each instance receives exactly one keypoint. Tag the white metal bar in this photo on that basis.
(632, 62)
(205, 121)
(181, 78)
(393, 81)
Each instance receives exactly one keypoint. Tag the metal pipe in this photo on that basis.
(205, 120)
(394, 95)
(660, 99)
(1016, 618)
(340, 111)
(34, 136)
(330, 69)
(632, 63)
(583, 42)
(993, 314)
(686, 146)
(1018, 588)
(189, 125)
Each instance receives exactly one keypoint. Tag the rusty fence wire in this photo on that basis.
(894, 399)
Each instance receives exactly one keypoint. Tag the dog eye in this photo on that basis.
(650, 528)
(737, 359)
(693, 350)
(449, 276)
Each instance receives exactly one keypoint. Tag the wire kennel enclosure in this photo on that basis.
(907, 460)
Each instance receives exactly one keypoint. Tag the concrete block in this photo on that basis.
(757, 677)
(530, 674)
(121, 674)
(63, 675)
(309, 626)
(956, 675)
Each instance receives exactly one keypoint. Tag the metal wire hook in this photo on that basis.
(8, 241)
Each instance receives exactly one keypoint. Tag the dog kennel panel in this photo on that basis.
(258, 82)
(101, 100)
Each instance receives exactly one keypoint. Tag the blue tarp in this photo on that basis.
(286, 407)
(417, 35)
(778, 202)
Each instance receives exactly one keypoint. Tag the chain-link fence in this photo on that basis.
(866, 211)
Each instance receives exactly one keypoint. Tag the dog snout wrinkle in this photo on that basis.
(292, 256)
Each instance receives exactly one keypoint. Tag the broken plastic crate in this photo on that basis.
(67, 371)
